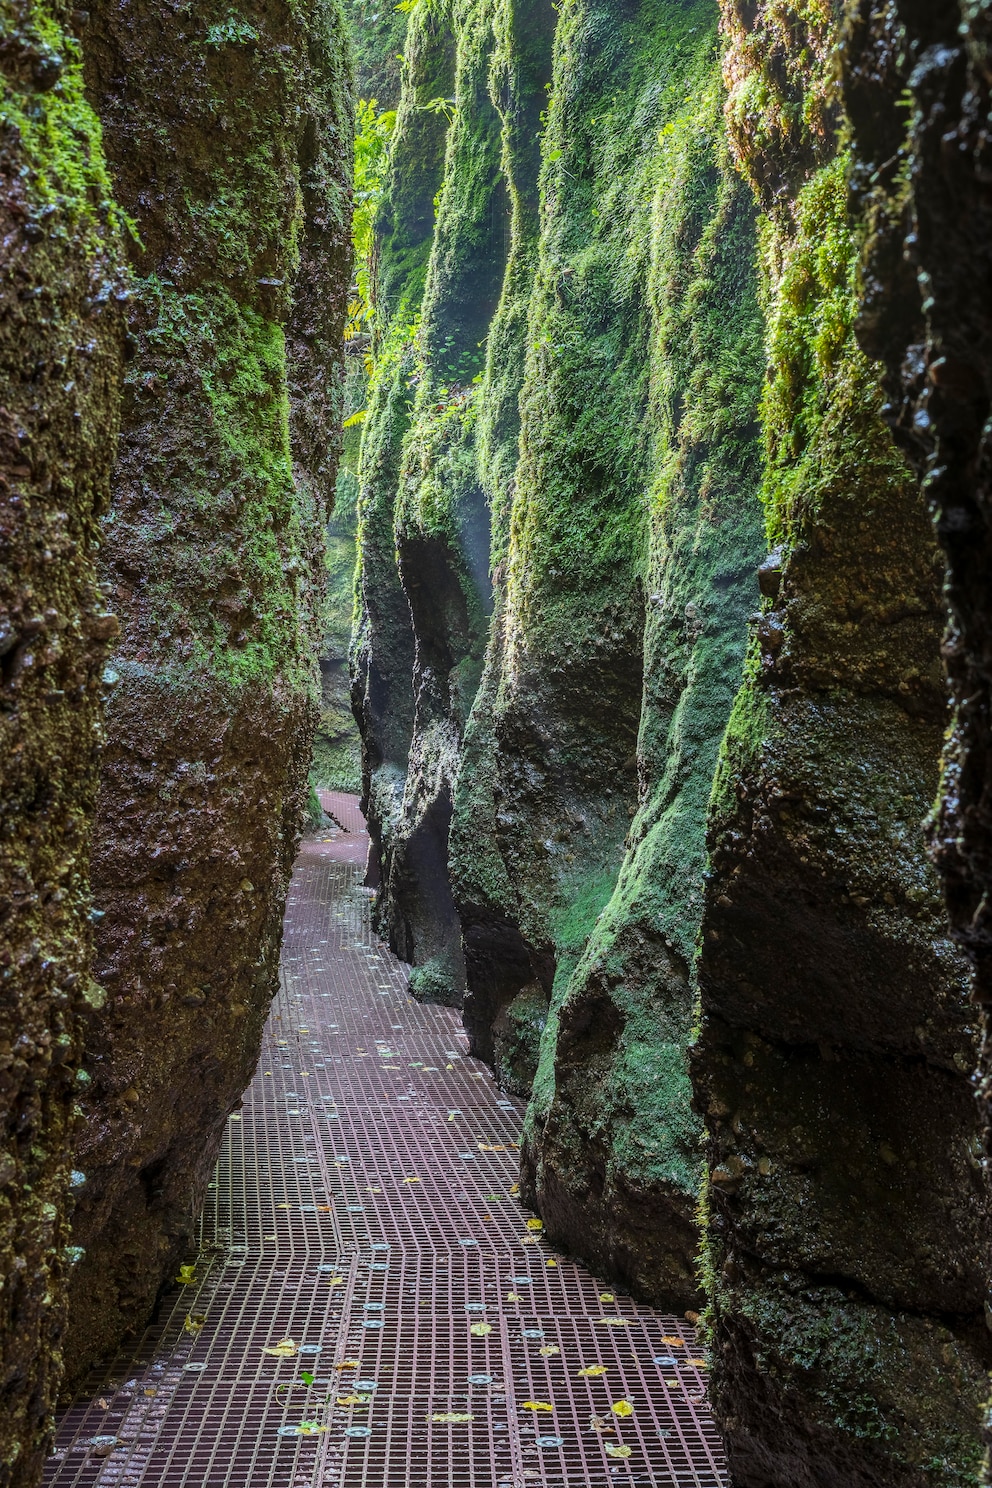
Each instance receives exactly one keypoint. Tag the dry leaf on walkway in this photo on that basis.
(481, 1329)
(352, 1400)
(614, 1322)
(537, 1405)
(622, 1408)
(535, 1224)
(450, 1418)
(411, 1180)
(592, 1369)
(349, 1364)
(186, 1275)
(549, 1350)
(194, 1323)
(607, 1297)
(285, 1349)
(612, 1451)
(674, 1342)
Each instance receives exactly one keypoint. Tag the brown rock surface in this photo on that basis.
(229, 139)
(60, 361)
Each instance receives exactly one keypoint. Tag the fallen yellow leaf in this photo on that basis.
(549, 1350)
(551, 1263)
(612, 1451)
(537, 1405)
(481, 1329)
(513, 1296)
(285, 1349)
(450, 1417)
(535, 1224)
(349, 1364)
(593, 1369)
(622, 1408)
(607, 1297)
(194, 1323)
(673, 1342)
(411, 1180)
(186, 1275)
(614, 1322)
(335, 1280)
(515, 1189)
(698, 1363)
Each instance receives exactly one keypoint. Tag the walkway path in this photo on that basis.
(364, 1210)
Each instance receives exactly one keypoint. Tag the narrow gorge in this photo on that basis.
(565, 426)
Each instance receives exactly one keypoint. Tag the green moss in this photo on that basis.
(60, 136)
(700, 468)
(232, 611)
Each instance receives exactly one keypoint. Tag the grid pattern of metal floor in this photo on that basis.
(363, 1225)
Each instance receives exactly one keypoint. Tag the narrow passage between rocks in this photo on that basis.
(363, 1209)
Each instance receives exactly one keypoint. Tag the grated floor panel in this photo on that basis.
(362, 1208)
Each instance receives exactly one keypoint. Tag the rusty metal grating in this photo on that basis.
(362, 1208)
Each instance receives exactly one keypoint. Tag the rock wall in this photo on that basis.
(847, 1249)
(925, 265)
(602, 465)
(228, 133)
(61, 338)
(611, 1154)
(337, 749)
(383, 645)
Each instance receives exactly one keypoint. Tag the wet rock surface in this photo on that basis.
(61, 337)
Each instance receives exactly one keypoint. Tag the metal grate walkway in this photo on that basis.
(363, 1209)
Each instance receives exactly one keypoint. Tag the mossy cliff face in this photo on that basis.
(929, 250)
(61, 337)
(606, 453)
(497, 966)
(847, 1240)
(337, 763)
(441, 515)
(611, 1155)
(383, 646)
(228, 136)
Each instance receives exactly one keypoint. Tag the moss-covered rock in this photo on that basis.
(382, 657)
(847, 1238)
(612, 1145)
(229, 139)
(916, 81)
(61, 343)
